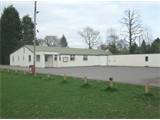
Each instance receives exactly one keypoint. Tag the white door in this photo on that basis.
(49, 60)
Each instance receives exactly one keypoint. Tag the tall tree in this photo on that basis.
(133, 27)
(27, 31)
(11, 32)
(155, 47)
(63, 41)
(90, 37)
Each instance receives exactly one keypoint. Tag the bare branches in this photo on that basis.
(90, 36)
(132, 23)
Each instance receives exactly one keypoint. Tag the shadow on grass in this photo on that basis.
(109, 89)
(85, 85)
(64, 82)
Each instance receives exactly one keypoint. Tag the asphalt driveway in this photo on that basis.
(132, 75)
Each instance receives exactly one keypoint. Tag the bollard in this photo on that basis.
(85, 80)
(110, 82)
(48, 75)
(64, 77)
(146, 88)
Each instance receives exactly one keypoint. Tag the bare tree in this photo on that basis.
(90, 37)
(112, 36)
(134, 28)
(147, 35)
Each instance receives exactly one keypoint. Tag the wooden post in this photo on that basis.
(64, 77)
(48, 75)
(85, 80)
(146, 88)
(110, 82)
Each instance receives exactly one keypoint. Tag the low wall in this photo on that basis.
(150, 60)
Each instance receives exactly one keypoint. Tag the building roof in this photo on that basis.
(62, 50)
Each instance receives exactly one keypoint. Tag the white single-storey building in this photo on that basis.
(68, 57)
(57, 57)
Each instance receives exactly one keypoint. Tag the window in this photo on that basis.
(146, 59)
(72, 57)
(46, 58)
(18, 58)
(59, 58)
(29, 58)
(23, 57)
(65, 59)
(55, 58)
(85, 57)
(13, 58)
(37, 58)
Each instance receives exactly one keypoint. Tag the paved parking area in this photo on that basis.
(132, 75)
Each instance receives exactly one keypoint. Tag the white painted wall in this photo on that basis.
(21, 57)
(134, 60)
(92, 60)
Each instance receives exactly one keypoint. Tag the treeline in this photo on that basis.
(144, 48)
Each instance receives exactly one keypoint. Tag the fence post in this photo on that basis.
(147, 88)
(48, 75)
(85, 80)
(110, 82)
(64, 77)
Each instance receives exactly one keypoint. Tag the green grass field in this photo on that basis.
(25, 96)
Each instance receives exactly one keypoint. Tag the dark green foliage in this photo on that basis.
(155, 47)
(25, 96)
(113, 48)
(27, 31)
(133, 49)
(63, 41)
(10, 33)
(143, 47)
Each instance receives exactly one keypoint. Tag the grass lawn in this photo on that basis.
(24, 96)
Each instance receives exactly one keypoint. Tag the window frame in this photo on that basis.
(65, 59)
(29, 58)
(146, 58)
(85, 57)
(38, 58)
(72, 57)
(55, 57)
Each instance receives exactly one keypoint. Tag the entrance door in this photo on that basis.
(49, 60)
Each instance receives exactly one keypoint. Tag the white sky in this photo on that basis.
(68, 17)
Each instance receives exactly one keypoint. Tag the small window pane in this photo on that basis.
(72, 57)
(37, 58)
(65, 59)
(146, 59)
(55, 58)
(29, 58)
(85, 57)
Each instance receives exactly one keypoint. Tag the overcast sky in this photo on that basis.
(58, 18)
